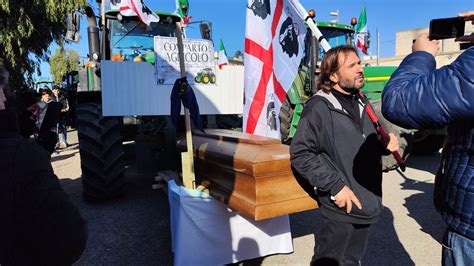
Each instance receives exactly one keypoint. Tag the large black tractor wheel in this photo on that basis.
(287, 110)
(102, 155)
(405, 138)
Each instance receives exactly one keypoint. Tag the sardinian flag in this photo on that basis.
(274, 46)
(135, 8)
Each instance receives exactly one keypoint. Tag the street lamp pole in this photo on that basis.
(335, 14)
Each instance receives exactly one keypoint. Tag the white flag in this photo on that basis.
(274, 47)
(135, 8)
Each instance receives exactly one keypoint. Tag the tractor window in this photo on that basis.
(130, 38)
(335, 37)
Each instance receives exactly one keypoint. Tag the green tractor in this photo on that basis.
(205, 76)
(43, 83)
(303, 87)
(418, 141)
(121, 39)
(424, 141)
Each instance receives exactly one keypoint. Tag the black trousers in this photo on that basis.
(340, 243)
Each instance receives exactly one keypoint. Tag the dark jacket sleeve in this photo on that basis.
(419, 96)
(308, 156)
(53, 230)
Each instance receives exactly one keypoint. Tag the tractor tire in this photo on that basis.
(426, 143)
(205, 79)
(287, 110)
(405, 138)
(197, 79)
(213, 78)
(101, 151)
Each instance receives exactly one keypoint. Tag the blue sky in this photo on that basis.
(228, 19)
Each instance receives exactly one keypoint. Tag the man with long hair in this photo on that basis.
(336, 149)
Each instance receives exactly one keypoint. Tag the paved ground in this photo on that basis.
(134, 230)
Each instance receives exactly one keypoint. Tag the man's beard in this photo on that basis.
(348, 85)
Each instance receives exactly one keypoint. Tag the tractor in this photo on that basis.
(122, 85)
(304, 86)
(205, 76)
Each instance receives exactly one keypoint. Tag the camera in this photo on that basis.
(446, 28)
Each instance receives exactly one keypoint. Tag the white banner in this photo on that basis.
(274, 46)
(199, 61)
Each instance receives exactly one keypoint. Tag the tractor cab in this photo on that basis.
(336, 34)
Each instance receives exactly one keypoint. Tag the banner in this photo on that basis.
(274, 47)
(199, 60)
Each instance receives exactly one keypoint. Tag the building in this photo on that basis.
(449, 50)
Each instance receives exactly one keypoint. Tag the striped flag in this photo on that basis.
(222, 56)
(362, 32)
(274, 44)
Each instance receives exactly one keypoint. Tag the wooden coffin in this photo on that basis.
(252, 174)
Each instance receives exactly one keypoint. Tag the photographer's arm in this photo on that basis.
(420, 96)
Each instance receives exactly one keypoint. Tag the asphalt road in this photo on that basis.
(135, 229)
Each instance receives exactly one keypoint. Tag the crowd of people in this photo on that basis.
(336, 149)
(46, 118)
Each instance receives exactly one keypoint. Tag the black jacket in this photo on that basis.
(331, 150)
(39, 225)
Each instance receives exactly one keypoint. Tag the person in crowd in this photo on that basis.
(46, 120)
(43, 105)
(420, 96)
(337, 150)
(61, 126)
(39, 225)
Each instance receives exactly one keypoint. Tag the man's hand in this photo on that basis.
(468, 16)
(423, 43)
(345, 197)
(392, 144)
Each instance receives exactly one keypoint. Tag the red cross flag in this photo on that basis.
(274, 46)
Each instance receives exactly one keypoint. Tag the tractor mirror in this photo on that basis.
(206, 30)
(73, 26)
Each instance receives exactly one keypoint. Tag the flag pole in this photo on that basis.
(187, 158)
(378, 46)
(103, 14)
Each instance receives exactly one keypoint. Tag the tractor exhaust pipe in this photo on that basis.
(93, 77)
(93, 35)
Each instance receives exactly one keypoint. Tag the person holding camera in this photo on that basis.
(39, 224)
(420, 96)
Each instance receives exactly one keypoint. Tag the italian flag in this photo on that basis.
(222, 56)
(362, 31)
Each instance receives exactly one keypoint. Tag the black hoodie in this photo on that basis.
(331, 150)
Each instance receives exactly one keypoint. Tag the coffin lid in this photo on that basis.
(248, 154)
